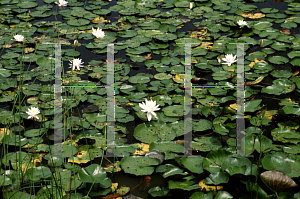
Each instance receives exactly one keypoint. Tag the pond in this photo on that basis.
(68, 134)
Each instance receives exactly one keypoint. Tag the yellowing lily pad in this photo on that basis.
(178, 78)
(3, 132)
(207, 188)
(142, 148)
(269, 114)
(253, 16)
(161, 76)
(99, 20)
(255, 61)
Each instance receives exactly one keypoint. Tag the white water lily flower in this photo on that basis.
(149, 107)
(62, 3)
(19, 37)
(191, 5)
(76, 63)
(33, 112)
(98, 33)
(229, 59)
(242, 23)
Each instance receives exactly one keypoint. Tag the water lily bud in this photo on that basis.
(191, 5)
(219, 59)
(262, 42)
(75, 43)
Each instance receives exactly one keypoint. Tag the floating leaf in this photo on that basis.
(138, 165)
(285, 135)
(206, 144)
(159, 191)
(41, 172)
(217, 178)
(276, 162)
(149, 133)
(253, 105)
(239, 165)
(278, 60)
(92, 174)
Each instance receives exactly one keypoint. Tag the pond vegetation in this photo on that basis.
(149, 99)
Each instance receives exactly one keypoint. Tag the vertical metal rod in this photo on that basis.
(187, 101)
(58, 135)
(240, 121)
(110, 102)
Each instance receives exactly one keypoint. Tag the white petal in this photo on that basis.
(154, 114)
(149, 116)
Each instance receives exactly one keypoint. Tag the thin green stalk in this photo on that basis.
(260, 152)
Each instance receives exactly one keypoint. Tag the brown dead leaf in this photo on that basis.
(285, 31)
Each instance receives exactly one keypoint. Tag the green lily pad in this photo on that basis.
(139, 79)
(153, 131)
(202, 125)
(4, 180)
(278, 60)
(138, 165)
(222, 75)
(292, 149)
(34, 132)
(261, 25)
(92, 174)
(41, 172)
(214, 160)
(159, 191)
(293, 54)
(18, 195)
(170, 170)
(14, 140)
(253, 105)
(269, 10)
(223, 195)
(49, 191)
(4, 73)
(217, 178)
(183, 184)
(66, 180)
(276, 162)
(202, 195)
(174, 110)
(206, 144)
(239, 165)
(193, 164)
(281, 73)
(211, 110)
(168, 147)
(161, 76)
(285, 135)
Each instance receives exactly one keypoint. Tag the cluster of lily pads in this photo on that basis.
(148, 28)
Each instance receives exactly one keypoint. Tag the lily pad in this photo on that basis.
(149, 133)
(202, 125)
(278, 60)
(92, 174)
(285, 135)
(138, 165)
(41, 172)
(206, 144)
